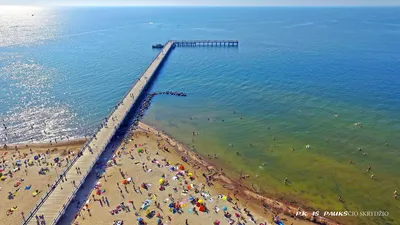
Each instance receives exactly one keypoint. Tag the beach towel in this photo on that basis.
(35, 193)
(17, 184)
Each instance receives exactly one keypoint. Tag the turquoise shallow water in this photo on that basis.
(301, 75)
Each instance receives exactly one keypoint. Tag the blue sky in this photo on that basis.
(208, 2)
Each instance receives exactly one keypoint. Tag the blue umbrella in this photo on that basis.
(224, 208)
(139, 219)
(190, 210)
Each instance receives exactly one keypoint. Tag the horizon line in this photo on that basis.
(200, 5)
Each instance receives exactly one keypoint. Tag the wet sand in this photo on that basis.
(27, 175)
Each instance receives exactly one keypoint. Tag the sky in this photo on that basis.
(206, 2)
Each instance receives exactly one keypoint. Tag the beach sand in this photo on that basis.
(130, 162)
(134, 165)
(28, 175)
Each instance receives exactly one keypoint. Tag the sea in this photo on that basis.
(311, 94)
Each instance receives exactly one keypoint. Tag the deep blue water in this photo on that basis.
(295, 69)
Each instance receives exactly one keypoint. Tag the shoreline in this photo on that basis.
(258, 202)
(61, 143)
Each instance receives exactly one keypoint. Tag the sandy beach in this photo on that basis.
(24, 186)
(155, 180)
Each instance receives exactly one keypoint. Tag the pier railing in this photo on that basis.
(87, 143)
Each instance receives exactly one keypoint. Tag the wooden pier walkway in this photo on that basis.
(194, 43)
(55, 202)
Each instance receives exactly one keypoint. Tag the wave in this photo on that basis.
(301, 25)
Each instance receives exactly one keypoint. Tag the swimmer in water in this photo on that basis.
(293, 149)
(369, 169)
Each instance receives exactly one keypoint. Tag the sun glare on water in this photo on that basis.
(25, 25)
(19, 9)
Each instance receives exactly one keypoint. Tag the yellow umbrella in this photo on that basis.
(190, 174)
(224, 198)
(161, 181)
(200, 201)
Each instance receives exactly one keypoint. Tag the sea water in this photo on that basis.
(323, 77)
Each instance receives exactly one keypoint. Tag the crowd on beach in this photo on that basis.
(167, 190)
(27, 171)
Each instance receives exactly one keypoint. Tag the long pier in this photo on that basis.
(53, 204)
(56, 200)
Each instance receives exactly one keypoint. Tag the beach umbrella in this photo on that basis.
(125, 182)
(139, 219)
(171, 205)
(202, 208)
(217, 222)
(181, 167)
(190, 174)
(200, 201)
(140, 150)
(191, 198)
(224, 198)
(190, 210)
(224, 208)
(161, 181)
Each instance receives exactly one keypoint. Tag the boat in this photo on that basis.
(158, 46)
